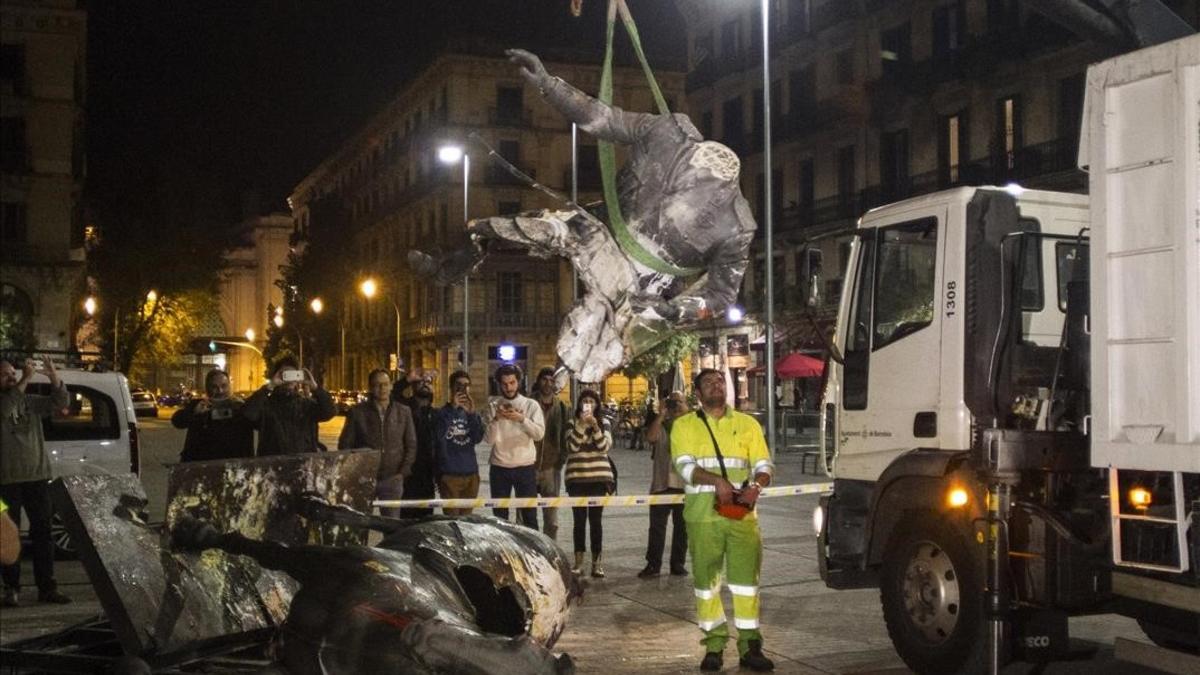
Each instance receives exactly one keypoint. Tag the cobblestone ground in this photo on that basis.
(629, 625)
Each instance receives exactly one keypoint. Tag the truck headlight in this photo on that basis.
(818, 517)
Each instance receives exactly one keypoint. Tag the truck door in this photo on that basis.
(890, 382)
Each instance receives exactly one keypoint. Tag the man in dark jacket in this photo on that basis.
(216, 428)
(385, 425)
(458, 430)
(552, 449)
(287, 410)
(420, 482)
(25, 473)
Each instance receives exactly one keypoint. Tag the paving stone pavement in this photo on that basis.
(630, 625)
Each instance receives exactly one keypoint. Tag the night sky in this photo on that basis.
(193, 104)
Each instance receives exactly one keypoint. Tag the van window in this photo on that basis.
(89, 415)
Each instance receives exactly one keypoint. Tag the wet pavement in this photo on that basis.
(630, 625)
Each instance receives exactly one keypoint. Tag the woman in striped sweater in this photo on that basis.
(588, 474)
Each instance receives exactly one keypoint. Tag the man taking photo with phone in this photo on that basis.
(458, 428)
(216, 428)
(664, 481)
(512, 424)
(288, 409)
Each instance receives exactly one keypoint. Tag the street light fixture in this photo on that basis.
(249, 335)
(317, 306)
(89, 306)
(451, 154)
(369, 288)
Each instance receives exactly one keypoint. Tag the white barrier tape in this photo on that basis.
(610, 500)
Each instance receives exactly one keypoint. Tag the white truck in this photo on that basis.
(1015, 418)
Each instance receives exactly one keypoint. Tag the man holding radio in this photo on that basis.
(215, 426)
(288, 409)
(512, 424)
(715, 449)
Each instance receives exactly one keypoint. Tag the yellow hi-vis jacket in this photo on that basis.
(742, 445)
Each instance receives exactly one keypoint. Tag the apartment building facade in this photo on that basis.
(874, 101)
(385, 192)
(43, 54)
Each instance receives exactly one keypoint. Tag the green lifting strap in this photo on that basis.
(607, 153)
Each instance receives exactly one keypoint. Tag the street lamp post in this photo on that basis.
(369, 288)
(769, 222)
(451, 154)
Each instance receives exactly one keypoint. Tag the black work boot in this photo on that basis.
(712, 662)
(755, 660)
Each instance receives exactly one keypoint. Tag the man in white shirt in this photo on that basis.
(512, 424)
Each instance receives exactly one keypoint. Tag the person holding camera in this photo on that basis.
(589, 474)
(216, 428)
(715, 449)
(457, 430)
(288, 409)
(512, 425)
(664, 481)
(386, 425)
(25, 473)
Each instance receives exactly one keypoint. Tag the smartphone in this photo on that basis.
(291, 375)
(587, 408)
(460, 387)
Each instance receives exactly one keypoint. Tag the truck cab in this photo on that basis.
(1012, 415)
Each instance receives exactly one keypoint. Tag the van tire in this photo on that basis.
(64, 546)
(1181, 637)
(931, 589)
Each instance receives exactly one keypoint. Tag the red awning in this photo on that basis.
(795, 365)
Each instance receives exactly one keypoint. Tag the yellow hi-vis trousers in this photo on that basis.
(735, 548)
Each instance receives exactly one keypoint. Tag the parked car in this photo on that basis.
(96, 433)
(144, 404)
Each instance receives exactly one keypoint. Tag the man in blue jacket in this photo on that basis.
(458, 430)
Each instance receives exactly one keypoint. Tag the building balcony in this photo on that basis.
(434, 324)
(498, 176)
(507, 117)
(589, 179)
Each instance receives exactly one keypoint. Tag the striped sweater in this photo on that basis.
(587, 454)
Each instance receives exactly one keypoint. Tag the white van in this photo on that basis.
(97, 433)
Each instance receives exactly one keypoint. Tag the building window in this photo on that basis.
(807, 184)
(1070, 115)
(508, 295)
(14, 223)
(508, 208)
(846, 183)
(949, 28)
(952, 148)
(12, 139)
(702, 48)
(802, 92)
(509, 105)
(1008, 132)
(1002, 15)
(733, 133)
(800, 17)
(895, 49)
(893, 164)
(706, 124)
(16, 318)
(511, 150)
(731, 44)
(12, 67)
(845, 67)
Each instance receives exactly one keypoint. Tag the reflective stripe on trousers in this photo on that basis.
(726, 549)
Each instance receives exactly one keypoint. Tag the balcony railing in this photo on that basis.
(438, 323)
(507, 117)
(498, 176)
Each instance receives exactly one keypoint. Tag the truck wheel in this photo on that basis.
(1184, 638)
(931, 589)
